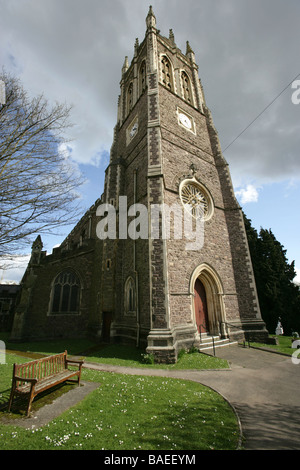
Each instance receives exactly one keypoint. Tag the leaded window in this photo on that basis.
(65, 293)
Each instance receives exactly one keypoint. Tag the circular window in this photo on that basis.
(195, 199)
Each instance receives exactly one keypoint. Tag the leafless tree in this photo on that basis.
(38, 182)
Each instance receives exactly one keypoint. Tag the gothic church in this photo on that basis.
(151, 292)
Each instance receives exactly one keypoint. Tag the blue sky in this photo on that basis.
(276, 202)
(247, 52)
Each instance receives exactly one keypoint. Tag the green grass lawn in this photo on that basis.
(128, 412)
(125, 412)
(284, 346)
(133, 357)
(113, 354)
(73, 346)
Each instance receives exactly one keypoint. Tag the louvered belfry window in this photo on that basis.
(186, 87)
(166, 72)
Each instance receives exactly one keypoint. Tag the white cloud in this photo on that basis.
(248, 194)
(297, 278)
(12, 269)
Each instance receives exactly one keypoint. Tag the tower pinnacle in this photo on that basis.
(190, 53)
(151, 20)
(188, 48)
(125, 65)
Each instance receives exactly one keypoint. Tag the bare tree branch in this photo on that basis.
(38, 182)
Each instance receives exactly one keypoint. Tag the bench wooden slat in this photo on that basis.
(37, 376)
(46, 382)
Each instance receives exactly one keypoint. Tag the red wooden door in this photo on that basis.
(201, 307)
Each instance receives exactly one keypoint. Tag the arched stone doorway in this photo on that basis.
(201, 313)
(208, 312)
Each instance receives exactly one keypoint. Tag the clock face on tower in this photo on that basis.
(132, 130)
(185, 120)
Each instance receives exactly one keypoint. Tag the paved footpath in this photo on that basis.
(263, 387)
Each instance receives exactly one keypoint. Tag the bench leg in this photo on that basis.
(29, 406)
(12, 392)
(30, 399)
(79, 374)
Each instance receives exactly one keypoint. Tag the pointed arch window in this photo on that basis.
(186, 87)
(142, 78)
(130, 98)
(166, 73)
(130, 302)
(65, 295)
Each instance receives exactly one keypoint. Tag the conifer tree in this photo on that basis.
(278, 295)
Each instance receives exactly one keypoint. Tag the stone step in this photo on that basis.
(208, 343)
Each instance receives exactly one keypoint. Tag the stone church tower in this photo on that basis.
(163, 293)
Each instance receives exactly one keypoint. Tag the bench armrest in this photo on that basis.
(70, 361)
(22, 379)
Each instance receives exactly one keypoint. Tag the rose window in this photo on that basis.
(195, 199)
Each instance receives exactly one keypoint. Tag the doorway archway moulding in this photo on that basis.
(214, 295)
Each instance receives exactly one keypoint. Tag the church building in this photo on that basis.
(161, 260)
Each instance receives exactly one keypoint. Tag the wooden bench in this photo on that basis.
(37, 376)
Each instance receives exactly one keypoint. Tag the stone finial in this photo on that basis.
(125, 66)
(193, 169)
(150, 12)
(37, 244)
(171, 36)
(36, 251)
(190, 53)
(151, 20)
(136, 46)
(188, 48)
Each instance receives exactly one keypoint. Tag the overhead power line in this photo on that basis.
(262, 112)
